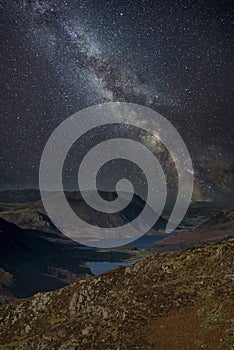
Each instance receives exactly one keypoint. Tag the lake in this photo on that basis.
(150, 240)
(99, 267)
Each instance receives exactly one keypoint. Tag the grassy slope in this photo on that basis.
(176, 302)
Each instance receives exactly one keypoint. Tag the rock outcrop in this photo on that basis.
(167, 302)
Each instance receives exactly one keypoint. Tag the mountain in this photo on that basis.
(32, 261)
(31, 215)
(169, 302)
(20, 196)
(217, 228)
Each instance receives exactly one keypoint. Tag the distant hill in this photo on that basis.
(20, 196)
(217, 228)
(31, 214)
(169, 302)
(31, 217)
(32, 261)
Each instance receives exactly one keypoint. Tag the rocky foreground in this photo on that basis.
(172, 302)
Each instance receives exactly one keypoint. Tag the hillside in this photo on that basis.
(20, 196)
(169, 302)
(32, 261)
(218, 228)
(31, 214)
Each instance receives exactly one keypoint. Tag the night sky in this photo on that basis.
(58, 57)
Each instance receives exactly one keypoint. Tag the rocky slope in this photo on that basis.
(217, 228)
(168, 302)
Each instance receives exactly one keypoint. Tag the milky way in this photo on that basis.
(172, 56)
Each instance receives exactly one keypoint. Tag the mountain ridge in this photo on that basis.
(217, 228)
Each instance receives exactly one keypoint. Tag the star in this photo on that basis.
(58, 58)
